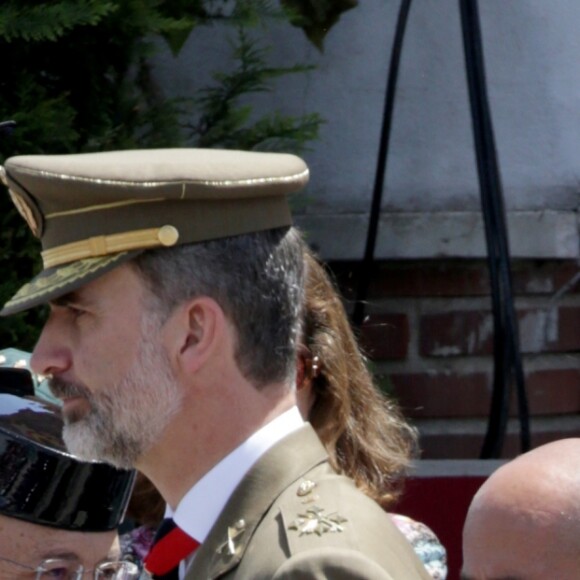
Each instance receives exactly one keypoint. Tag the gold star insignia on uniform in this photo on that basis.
(314, 521)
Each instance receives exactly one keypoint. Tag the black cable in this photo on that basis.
(364, 277)
(507, 359)
(487, 172)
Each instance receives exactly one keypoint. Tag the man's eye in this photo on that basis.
(57, 574)
(75, 312)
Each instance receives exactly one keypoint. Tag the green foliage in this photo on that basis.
(18, 261)
(223, 120)
(76, 77)
(49, 21)
(317, 17)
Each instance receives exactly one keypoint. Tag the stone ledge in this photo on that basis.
(533, 234)
(454, 467)
(462, 427)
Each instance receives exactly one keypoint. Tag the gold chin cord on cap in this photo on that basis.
(103, 245)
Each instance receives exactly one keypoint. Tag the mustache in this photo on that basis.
(63, 389)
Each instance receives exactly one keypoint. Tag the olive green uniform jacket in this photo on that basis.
(293, 517)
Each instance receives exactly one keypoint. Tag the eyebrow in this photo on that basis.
(63, 555)
(73, 297)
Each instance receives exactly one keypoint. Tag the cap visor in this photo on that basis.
(60, 280)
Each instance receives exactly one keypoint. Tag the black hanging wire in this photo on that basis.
(365, 273)
(507, 359)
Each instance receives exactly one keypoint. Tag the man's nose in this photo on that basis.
(51, 356)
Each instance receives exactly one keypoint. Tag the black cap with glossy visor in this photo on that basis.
(42, 483)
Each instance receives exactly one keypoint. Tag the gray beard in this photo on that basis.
(125, 420)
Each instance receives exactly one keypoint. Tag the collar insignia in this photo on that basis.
(232, 546)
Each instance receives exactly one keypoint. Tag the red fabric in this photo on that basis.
(442, 502)
(166, 554)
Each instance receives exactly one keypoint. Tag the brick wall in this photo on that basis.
(429, 335)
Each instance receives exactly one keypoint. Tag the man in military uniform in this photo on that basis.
(174, 280)
(58, 516)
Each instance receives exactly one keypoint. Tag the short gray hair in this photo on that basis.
(256, 278)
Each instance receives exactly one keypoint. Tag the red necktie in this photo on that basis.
(170, 546)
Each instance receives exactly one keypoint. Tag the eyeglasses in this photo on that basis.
(71, 569)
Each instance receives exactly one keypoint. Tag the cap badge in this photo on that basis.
(314, 521)
(26, 212)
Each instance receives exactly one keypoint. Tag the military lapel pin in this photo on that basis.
(314, 521)
(231, 546)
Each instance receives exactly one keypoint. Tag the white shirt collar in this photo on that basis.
(201, 506)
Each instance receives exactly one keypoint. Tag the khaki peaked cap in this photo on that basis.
(93, 211)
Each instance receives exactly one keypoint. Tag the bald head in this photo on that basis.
(524, 522)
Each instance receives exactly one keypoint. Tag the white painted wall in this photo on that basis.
(532, 50)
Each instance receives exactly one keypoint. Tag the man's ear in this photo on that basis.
(199, 329)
